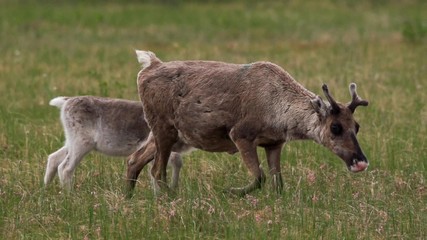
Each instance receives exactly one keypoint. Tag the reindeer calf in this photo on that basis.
(114, 127)
(224, 107)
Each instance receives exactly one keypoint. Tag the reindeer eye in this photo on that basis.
(336, 128)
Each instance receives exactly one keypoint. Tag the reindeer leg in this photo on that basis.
(176, 162)
(53, 162)
(249, 155)
(165, 139)
(273, 158)
(137, 162)
(76, 152)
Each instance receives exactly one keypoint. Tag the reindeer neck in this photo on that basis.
(303, 122)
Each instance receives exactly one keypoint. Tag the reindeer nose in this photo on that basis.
(359, 166)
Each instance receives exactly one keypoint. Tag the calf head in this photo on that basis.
(338, 129)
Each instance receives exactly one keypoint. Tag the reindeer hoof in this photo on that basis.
(239, 192)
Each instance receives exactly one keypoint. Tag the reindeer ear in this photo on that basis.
(319, 106)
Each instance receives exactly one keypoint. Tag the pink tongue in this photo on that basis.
(359, 166)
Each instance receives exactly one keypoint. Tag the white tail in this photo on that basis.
(144, 57)
(58, 102)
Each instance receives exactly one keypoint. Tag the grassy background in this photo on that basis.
(53, 48)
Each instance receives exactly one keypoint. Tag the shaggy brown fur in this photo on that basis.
(223, 107)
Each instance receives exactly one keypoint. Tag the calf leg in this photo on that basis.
(75, 154)
(273, 158)
(53, 162)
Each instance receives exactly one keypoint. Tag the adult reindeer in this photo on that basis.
(223, 107)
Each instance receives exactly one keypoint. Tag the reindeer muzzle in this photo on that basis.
(359, 161)
(358, 165)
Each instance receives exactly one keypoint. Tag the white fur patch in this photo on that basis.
(144, 57)
(58, 101)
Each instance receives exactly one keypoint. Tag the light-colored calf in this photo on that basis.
(114, 127)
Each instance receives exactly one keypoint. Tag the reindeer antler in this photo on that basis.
(334, 105)
(355, 99)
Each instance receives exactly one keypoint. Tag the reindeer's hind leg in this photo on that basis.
(165, 138)
(137, 162)
(76, 151)
(53, 162)
(144, 155)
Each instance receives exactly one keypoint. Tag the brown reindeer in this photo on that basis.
(223, 107)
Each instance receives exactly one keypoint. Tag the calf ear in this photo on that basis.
(319, 106)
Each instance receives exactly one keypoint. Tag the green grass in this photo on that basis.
(50, 49)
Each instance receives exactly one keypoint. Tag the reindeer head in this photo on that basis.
(339, 129)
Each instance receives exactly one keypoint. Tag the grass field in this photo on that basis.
(65, 48)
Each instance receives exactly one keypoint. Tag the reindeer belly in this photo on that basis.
(208, 142)
(114, 143)
(205, 126)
